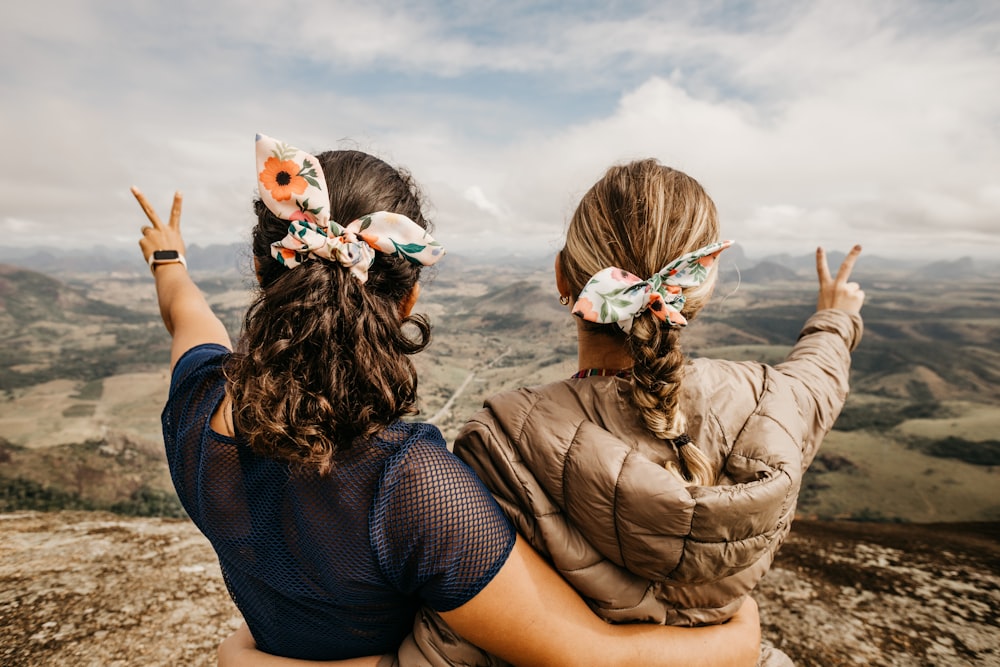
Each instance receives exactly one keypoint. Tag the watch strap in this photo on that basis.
(173, 258)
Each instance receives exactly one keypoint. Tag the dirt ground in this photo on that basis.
(93, 589)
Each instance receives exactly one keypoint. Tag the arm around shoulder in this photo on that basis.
(529, 615)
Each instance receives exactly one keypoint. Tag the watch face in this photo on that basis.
(159, 255)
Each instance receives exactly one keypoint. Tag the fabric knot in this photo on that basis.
(292, 185)
(614, 295)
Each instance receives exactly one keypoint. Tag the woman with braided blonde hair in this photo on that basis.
(659, 487)
(637, 216)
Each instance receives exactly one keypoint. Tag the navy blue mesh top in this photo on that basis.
(332, 567)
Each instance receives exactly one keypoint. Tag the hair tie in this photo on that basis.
(615, 295)
(293, 187)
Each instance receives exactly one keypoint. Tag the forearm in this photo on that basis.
(177, 294)
(251, 657)
(708, 646)
(528, 615)
(185, 312)
(240, 650)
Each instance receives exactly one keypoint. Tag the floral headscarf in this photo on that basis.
(293, 187)
(615, 295)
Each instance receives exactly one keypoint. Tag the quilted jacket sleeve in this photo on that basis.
(818, 368)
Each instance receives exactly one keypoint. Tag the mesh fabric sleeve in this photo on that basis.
(197, 384)
(436, 530)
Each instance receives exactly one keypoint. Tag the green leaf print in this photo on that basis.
(283, 151)
(608, 314)
(407, 250)
(698, 272)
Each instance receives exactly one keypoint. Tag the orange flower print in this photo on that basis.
(584, 308)
(281, 178)
(676, 319)
(708, 260)
(657, 307)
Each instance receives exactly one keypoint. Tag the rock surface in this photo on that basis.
(93, 589)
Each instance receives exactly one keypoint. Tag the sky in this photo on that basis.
(808, 122)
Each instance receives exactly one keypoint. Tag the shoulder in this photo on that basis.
(726, 392)
(198, 361)
(434, 523)
(421, 468)
(512, 410)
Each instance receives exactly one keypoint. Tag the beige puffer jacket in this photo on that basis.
(585, 484)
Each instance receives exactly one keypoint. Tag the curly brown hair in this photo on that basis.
(323, 361)
(639, 217)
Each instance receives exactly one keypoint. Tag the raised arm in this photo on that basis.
(187, 316)
(820, 362)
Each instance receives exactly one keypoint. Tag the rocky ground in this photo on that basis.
(91, 589)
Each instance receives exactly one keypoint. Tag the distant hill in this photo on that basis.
(28, 296)
(916, 442)
(50, 329)
(213, 258)
(768, 271)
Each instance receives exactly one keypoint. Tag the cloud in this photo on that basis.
(475, 194)
(806, 122)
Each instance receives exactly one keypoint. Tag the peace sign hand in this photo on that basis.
(159, 236)
(838, 293)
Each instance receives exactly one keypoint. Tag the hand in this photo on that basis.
(160, 236)
(839, 293)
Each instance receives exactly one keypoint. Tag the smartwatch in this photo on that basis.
(165, 257)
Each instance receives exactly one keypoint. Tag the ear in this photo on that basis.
(561, 283)
(409, 301)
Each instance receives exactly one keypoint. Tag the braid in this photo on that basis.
(657, 376)
(656, 383)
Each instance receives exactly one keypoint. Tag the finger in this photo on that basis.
(822, 269)
(150, 213)
(175, 211)
(848, 265)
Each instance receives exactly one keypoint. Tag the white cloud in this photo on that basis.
(475, 194)
(808, 123)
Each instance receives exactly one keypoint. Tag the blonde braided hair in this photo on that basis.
(639, 217)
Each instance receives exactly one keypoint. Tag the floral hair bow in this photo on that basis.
(293, 187)
(614, 295)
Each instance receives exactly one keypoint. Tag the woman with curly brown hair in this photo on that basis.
(334, 520)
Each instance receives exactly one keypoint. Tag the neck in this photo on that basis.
(596, 350)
